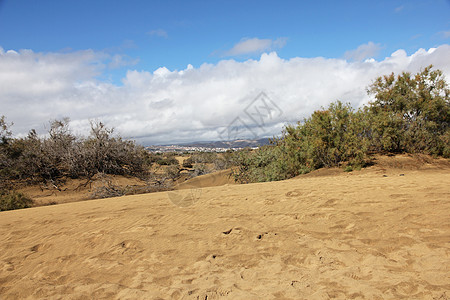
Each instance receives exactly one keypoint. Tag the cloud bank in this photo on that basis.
(193, 104)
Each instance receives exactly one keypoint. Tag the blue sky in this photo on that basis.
(112, 39)
(177, 33)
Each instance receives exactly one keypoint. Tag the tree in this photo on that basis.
(105, 153)
(5, 135)
(411, 112)
(5, 132)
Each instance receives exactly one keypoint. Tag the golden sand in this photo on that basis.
(381, 233)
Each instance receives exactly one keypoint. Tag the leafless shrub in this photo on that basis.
(106, 188)
(172, 172)
(204, 157)
(200, 169)
(221, 164)
(49, 160)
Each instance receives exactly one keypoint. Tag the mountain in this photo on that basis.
(228, 144)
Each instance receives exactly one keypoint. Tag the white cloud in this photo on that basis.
(119, 61)
(363, 51)
(190, 104)
(255, 46)
(399, 8)
(159, 32)
(25, 73)
(445, 34)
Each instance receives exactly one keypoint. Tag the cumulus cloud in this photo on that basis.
(191, 104)
(363, 51)
(255, 46)
(159, 32)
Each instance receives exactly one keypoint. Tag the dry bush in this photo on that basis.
(187, 163)
(221, 164)
(61, 155)
(105, 188)
(172, 172)
(200, 169)
(158, 182)
(203, 157)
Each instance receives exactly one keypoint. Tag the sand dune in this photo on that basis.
(382, 233)
(213, 179)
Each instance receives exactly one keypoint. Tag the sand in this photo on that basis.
(380, 233)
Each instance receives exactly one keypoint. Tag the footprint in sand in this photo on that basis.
(269, 202)
(39, 248)
(6, 266)
(294, 193)
(129, 246)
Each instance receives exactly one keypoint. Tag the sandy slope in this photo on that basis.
(74, 190)
(359, 235)
(213, 179)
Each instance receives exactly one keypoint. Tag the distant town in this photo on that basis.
(179, 148)
(217, 146)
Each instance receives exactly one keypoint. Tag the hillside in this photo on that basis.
(380, 233)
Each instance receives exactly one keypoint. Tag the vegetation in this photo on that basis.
(10, 200)
(207, 162)
(52, 159)
(187, 163)
(409, 114)
(60, 155)
(164, 159)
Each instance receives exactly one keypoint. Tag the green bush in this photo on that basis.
(326, 139)
(409, 114)
(167, 161)
(332, 136)
(10, 200)
(348, 169)
(266, 163)
(163, 159)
